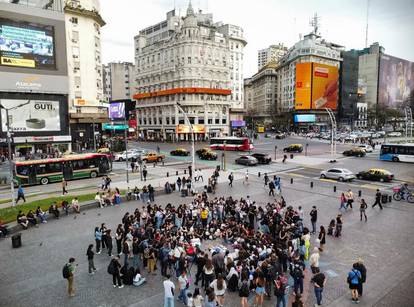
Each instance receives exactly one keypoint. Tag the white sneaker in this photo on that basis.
(120, 287)
(98, 252)
(115, 286)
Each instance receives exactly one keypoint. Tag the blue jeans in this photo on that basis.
(298, 285)
(135, 261)
(168, 302)
(281, 301)
(313, 227)
(183, 296)
(318, 295)
(125, 259)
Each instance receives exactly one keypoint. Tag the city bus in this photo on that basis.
(397, 152)
(32, 172)
(231, 143)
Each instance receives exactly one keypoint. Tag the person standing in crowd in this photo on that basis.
(98, 240)
(377, 199)
(244, 290)
(178, 182)
(197, 298)
(298, 276)
(322, 238)
(103, 232)
(314, 218)
(113, 269)
(135, 252)
(208, 272)
(183, 286)
(231, 178)
(354, 277)
(260, 289)
(338, 227)
(314, 260)
(319, 282)
(200, 261)
(280, 291)
(349, 196)
(91, 265)
(169, 288)
(125, 251)
(266, 179)
(362, 208)
(145, 173)
(71, 266)
(246, 177)
(271, 188)
(151, 261)
(219, 286)
(109, 245)
(118, 237)
(64, 186)
(20, 194)
(359, 265)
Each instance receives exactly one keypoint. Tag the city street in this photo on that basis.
(383, 242)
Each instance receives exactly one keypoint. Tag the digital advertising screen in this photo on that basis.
(117, 110)
(304, 118)
(324, 86)
(396, 81)
(303, 86)
(31, 116)
(26, 44)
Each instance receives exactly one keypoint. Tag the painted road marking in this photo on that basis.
(331, 273)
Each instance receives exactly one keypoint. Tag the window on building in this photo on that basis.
(210, 121)
(189, 60)
(224, 121)
(217, 121)
(201, 121)
(74, 20)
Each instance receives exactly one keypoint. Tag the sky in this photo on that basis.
(267, 22)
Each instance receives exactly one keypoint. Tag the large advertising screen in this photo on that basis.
(303, 86)
(324, 86)
(26, 44)
(117, 110)
(396, 81)
(304, 118)
(30, 115)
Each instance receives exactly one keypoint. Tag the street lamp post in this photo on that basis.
(126, 148)
(94, 137)
(192, 143)
(306, 149)
(9, 147)
(333, 131)
(224, 156)
(275, 152)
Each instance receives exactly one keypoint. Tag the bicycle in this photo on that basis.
(398, 196)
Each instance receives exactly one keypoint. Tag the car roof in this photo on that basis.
(379, 170)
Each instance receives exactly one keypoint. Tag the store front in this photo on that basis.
(184, 133)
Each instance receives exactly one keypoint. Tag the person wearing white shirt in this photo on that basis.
(169, 288)
(314, 260)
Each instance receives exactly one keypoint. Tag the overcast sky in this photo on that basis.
(267, 22)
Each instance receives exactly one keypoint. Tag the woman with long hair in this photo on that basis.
(219, 286)
(90, 254)
(260, 289)
(208, 271)
(322, 238)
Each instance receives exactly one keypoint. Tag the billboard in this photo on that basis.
(324, 86)
(238, 123)
(26, 44)
(31, 115)
(396, 81)
(117, 110)
(303, 86)
(187, 129)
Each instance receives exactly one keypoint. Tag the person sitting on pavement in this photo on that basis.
(127, 275)
(75, 205)
(32, 218)
(136, 193)
(53, 209)
(22, 220)
(3, 230)
(41, 214)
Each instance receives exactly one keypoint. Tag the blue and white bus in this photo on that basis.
(397, 152)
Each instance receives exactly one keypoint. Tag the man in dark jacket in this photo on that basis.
(359, 265)
(200, 261)
(377, 199)
(314, 218)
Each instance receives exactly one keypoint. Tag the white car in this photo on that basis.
(395, 134)
(341, 174)
(367, 148)
(132, 154)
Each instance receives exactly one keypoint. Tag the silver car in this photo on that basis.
(247, 160)
(341, 174)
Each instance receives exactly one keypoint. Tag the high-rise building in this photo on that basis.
(271, 54)
(261, 92)
(34, 77)
(86, 100)
(118, 80)
(186, 61)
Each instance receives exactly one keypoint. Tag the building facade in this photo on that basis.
(185, 62)
(86, 101)
(118, 81)
(34, 78)
(262, 94)
(271, 54)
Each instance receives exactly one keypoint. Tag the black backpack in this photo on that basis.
(65, 271)
(297, 273)
(111, 269)
(244, 290)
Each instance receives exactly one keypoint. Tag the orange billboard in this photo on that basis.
(324, 86)
(303, 86)
(187, 129)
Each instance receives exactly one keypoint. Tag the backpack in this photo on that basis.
(244, 290)
(146, 252)
(281, 291)
(297, 273)
(111, 269)
(65, 271)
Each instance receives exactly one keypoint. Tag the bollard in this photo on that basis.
(334, 188)
(258, 174)
(176, 173)
(291, 180)
(185, 171)
(154, 164)
(163, 163)
(359, 193)
(168, 175)
(389, 198)
(311, 184)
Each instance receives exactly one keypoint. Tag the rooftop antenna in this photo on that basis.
(366, 29)
(314, 22)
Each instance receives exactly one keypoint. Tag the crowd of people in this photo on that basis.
(232, 245)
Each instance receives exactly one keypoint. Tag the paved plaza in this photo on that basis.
(31, 275)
